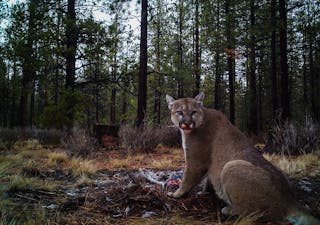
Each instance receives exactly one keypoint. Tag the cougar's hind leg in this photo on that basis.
(250, 189)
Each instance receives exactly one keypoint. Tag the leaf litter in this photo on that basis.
(120, 195)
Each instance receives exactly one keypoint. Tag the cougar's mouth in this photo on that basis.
(187, 127)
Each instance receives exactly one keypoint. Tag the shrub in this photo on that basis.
(79, 143)
(147, 138)
(170, 136)
(293, 138)
(49, 136)
(27, 145)
(82, 167)
(8, 137)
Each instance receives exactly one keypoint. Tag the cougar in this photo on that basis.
(238, 173)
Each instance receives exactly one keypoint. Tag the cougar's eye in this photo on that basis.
(179, 113)
(193, 113)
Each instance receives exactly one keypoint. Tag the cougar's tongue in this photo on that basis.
(186, 127)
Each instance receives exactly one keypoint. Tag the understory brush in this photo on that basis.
(148, 137)
(79, 143)
(293, 138)
(8, 137)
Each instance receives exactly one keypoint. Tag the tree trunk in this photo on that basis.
(142, 92)
(197, 53)
(285, 96)
(253, 111)
(230, 61)
(157, 90)
(274, 80)
(180, 52)
(71, 42)
(57, 57)
(124, 107)
(218, 90)
(305, 77)
(4, 91)
(70, 55)
(13, 97)
(114, 90)
(32, 100)
(28, 69)
(314, 91)
(316, 76)
(97, 92)
(113, 106)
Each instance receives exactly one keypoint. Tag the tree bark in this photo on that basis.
(197, 53)
(157, 91)
(316, 76)
(32, 102)
(218, 90)
(13, 97)
(314, 91)
(230, 61)
(28, 69)
(114, 90)
(97, 92)
(274, 80)
(4, 94)
(285, 96)
(142, 92)
(180, 52)
(70, 55)
(305, 76)
(57, 56)
(71, 44)
(253, 111)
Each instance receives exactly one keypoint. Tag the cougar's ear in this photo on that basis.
(170, 101)
(199, 98)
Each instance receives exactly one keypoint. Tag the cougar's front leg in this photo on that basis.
(192, 176)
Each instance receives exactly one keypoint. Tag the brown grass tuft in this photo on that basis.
(298, 166)
(56, 158)
(82, 167)
(79, 143)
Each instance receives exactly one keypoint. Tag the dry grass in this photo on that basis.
(27, 145)
(79, 143)
(298, 166)
(164, 159)
(83, 180)
(169, 220)
(57, 158)
(248, 219)
(82, 167)
(31, 155)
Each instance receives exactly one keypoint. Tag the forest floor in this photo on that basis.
(45, 185)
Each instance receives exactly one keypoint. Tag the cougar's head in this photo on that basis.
(187, 113)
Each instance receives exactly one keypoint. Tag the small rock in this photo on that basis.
(148, 214)
(51, 206)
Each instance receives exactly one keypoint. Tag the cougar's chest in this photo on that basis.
(195, 147)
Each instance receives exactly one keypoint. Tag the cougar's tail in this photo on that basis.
(302, 217)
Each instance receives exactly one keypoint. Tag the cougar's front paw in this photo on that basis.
(227, 211)
(176, 194)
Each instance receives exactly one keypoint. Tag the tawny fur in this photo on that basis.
(238, 173)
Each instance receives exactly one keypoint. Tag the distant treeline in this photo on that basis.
(62, 66)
